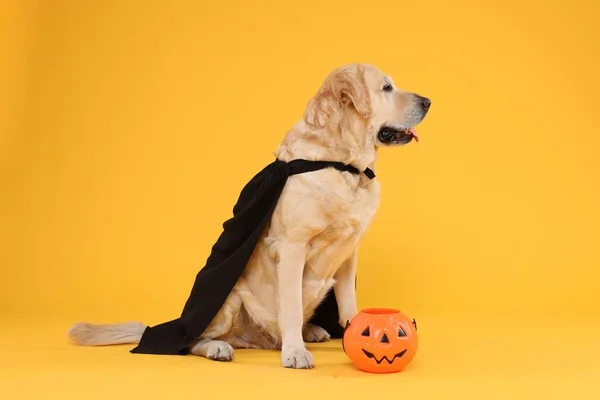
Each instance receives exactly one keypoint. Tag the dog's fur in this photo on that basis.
(311, 243)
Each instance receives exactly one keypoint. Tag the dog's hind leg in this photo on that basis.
(207, 345)
(315, 334)
(217, 350)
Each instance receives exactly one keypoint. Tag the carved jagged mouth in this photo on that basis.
(390, 135)
(371, 355)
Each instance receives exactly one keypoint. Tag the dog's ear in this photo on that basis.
(342, 88)
(350, 88)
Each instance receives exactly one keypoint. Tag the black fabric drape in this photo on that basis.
(229, 256)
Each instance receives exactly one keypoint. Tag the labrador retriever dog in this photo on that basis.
(311, 243)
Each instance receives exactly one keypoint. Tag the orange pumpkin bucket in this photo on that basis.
(380, 340)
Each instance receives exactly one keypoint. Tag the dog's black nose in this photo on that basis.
(425, 102)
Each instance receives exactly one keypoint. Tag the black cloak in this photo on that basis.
(229, 256)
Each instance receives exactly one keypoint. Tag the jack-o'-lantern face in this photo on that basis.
(380, 340)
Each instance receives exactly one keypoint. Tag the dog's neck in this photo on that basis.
(347, 140)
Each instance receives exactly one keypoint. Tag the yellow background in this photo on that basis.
(127, 129)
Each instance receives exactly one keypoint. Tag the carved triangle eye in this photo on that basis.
(366, 332)
(401, 332)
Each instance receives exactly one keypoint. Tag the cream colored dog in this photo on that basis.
(312, 241)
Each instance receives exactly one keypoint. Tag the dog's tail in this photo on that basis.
(86, 334)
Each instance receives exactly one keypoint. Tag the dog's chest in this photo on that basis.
(348, 219)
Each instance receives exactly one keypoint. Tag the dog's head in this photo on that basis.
(364, 94)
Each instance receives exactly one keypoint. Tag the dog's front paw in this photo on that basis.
(297, 357)
(315, 334)
(346, 318)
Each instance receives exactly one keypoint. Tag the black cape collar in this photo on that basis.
(300, 166)
(229, 257)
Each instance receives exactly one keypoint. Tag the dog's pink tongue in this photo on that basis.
(413, 133)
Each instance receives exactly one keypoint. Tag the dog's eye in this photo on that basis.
(387, 87)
